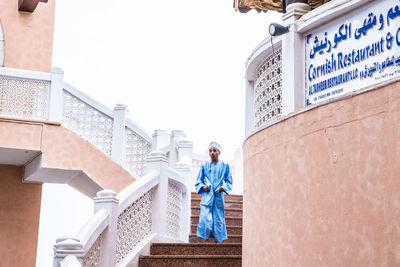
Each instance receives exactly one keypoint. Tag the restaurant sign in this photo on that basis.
(357, 50)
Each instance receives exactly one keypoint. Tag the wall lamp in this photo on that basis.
(276, 29)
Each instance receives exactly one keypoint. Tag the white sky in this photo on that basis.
(176, 64)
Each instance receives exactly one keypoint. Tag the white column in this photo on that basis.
(67, 247)
(160, 140)
(293, 60)
(176, 135)
(249, 120)
(107, 200)
(184, 168)
(56, 94)
(119, 137)
(157, 161)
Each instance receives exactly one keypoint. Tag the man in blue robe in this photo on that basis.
(213, 181)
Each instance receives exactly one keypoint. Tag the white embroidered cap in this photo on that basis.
(215, 145)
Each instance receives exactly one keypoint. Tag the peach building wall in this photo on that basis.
(19, 218)
(322, 188)
(28, 36)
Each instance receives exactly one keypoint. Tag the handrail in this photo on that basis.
(93, 228)
(105, 110)
(154, 207)
(175, 176)
(25, 74)
(87, 99)
(133, 191)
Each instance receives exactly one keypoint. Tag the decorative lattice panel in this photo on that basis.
(134, 224)
(137, 150)
(88, 122)
(268, 90)
(92, 257)
(174, 210)
(24, 97)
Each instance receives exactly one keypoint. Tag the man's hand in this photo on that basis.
(206, 189)
(220, 189)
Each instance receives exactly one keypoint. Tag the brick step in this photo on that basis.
(236, 239)
(228, 204)
(229, 221)
(226, 197)
(231, 230)
(229, 212)
(192, 261)
(195, 249)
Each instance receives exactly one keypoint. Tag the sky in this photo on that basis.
(176, 65)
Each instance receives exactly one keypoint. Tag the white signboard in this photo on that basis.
(359, 49)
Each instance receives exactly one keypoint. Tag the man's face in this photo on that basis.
(214, 154)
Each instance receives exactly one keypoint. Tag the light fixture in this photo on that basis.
(276, 29)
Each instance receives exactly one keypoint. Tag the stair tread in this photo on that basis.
(228, 236)
(228, 226)
(226, 217)
(225, 199)
(192, 256)
(198, 244)
(226, 209)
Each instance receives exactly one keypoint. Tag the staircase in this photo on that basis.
(200, 252)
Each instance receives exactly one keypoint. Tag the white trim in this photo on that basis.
(137, 189)
(328, 12)
(176, 177)
(262, 51)
(91, 231)
(25, 74)
(105, 110)
(138, 130)
(88, 100)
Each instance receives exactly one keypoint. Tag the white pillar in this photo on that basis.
(56, 94)
(157, 161)
(107, 200)
(160, 140)
(119, 137)
(176, 135)
(184, 168)
(67, 247)
(249, 120)
(293, 60)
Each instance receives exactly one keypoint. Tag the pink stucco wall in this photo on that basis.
(322, 188)
(28, 36)
(19, 218)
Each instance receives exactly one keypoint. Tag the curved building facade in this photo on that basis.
(321, 177)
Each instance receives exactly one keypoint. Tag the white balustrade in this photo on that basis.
(155, 208)
(45, 96)
(24, 94)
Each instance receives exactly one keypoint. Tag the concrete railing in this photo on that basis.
(155, 208)
(45, 96)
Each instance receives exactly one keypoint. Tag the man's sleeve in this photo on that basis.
(227, 182)
(200, 181)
